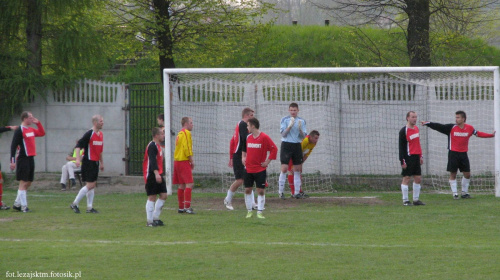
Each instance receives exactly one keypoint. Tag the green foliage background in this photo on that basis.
(324, 46)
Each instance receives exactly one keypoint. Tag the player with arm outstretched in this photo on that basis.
(308, 145)
(458, 145)
(410, 158)
(255, 158)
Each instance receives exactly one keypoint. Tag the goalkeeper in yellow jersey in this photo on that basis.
(308, 145)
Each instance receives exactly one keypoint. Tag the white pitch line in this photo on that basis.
(175, 243)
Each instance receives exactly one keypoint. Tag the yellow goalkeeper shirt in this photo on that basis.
(307, 147)
(183, 146)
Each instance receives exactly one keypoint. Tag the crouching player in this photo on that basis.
(255, 159)
(308, 145)
(152, 169)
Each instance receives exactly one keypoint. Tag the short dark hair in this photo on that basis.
(185, 120)
(462, 114)
(408, 114)
(161, 117)
(156, 131)
(254, 122)
(246, 111)
(25, 115)
(293, 105)
(314, 133)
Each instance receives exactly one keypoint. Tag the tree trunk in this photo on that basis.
(417, 42)
(34, 34)
(164, 34)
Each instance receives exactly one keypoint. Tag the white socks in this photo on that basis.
(21, 199)
(416, 191)
(404, 190)
(90, 199)
(281, 182)
(296, 182)
(465, 185)
(249, 199)
(229, 197)
(150, 206)
(158, 206)
(453, 185)
(261, 202)
(83, 191)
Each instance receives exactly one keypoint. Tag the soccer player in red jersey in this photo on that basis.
(93, 143)
(410, 157)
(238, 141)
(24, 141)
(152, 169)
(255, 158)
(458, 145)
(307, 145)
(3, 206)
(183, 166)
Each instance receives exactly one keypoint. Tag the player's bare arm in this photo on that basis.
(101, 163)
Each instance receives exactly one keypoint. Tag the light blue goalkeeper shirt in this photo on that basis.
(293, 135)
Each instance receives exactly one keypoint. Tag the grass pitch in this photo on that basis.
(345, 236)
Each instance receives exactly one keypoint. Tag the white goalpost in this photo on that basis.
(357, 111)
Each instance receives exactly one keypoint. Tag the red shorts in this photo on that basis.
(183, 173)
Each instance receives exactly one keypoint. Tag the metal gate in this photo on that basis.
(144, 104)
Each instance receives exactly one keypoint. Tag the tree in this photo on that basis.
(48, 44)
(417, 19)
(193, 28)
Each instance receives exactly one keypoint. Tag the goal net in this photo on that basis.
(357, 111)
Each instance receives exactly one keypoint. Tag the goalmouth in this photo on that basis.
(358, 112)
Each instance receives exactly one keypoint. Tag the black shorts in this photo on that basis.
(25, 169)
(458, 160)
(154, 188)
(90, 170)
(291, 151)
(238, 167)
(258, 178)
(412, 166)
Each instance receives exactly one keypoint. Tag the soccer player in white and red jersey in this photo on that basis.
(255, 158)
(458, 145)
(152, 169)
(3, 206)
(24, 141)
(307, 145)
(93, 143)
(410, 157)
(238, 141)
(183, 166)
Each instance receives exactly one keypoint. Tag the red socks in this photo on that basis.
(187, 198)
(291, 184)
(180, 198)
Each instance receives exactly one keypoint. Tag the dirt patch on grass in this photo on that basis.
(276, 203)
(8, 219)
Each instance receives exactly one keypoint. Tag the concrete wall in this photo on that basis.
(66, 117)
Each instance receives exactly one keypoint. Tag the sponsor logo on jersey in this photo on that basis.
(254, 145)
(97, 143)
(30, 134)
(413, 136)
(461, 134)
